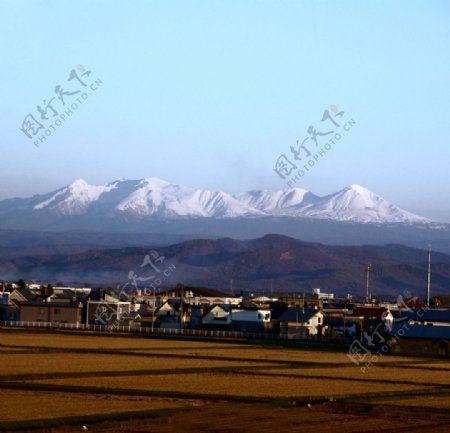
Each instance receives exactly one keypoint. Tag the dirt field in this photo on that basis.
(60, 382)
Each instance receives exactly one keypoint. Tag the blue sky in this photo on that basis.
(209, 93)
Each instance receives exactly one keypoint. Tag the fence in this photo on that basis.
(173, 332)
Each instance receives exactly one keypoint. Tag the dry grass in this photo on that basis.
(32, 405)
(271, 380)
(35, 363)
(255, 418)
(257, 352)
(441, 402)
(70, 341)
(424, 377)
(439, 363)
(230, 384)
(263, 353)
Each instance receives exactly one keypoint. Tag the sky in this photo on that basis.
(210, 94)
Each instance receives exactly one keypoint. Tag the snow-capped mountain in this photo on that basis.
(354, 203)
(154, 196)
(156, 199)
(273, 201)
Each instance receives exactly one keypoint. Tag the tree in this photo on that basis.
(21, 283)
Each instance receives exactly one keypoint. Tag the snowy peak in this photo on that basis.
(73, 199)
(156, 198)
(358, 204)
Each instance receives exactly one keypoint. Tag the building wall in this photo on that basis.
(258, 316)
(50, 313)
(107, 311)
(421, 347)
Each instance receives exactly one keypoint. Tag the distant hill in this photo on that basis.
(17, 243)
(273, 262)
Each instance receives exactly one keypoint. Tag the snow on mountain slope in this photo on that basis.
(156, 198)
(75, 198)
(271, 201)
(358, 204)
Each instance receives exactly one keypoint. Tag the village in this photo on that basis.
(405, 327)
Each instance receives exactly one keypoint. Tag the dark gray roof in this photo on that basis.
(22, 292)
(52, 304)
(300, 315)
(176, 304)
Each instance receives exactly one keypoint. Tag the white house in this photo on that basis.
(218, 316)
(236, 318)
(301, 322)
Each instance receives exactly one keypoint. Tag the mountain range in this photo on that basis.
(271, 263)
(81, 205)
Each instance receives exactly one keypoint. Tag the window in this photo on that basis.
(56, 311)
(41, 311)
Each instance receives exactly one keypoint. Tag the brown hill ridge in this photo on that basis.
(273, 262)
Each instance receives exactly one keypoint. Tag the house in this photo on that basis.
(9, 310)
(21, 295)
(276, 312)
(420, 340)
(218, 317)
(55, 312)
(421, 333)
(173, 314)
(250, 319)
(369, 318)
(106, 312)
(317, 294)
(227, 317)
(301, 322)
(131, 318)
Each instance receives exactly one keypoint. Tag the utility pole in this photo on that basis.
(367, 281)
(153, 309)
(181, 308)
(429, 274)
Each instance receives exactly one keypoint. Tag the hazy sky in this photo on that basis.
(210, 93)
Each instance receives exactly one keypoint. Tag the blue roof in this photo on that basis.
(425, 315)
(406, 330)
